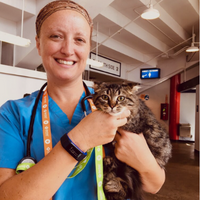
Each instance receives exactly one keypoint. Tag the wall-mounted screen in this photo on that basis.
(150, 73)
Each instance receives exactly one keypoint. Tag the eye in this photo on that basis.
(80, 40)
(121, 98)
(55, 36)
(104, 97)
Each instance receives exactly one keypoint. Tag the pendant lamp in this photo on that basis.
(150, 13)
(193, 48)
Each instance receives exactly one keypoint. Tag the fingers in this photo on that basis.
(122, 117)
(124, 114)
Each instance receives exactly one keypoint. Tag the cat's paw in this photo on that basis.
(109, 164)
(114, 189)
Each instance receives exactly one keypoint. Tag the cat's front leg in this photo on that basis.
(109, 164)
(114, 187)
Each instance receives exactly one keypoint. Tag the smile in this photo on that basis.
(65, 62)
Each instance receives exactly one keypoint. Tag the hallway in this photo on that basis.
(182, 175)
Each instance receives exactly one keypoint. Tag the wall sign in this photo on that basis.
(110, 66)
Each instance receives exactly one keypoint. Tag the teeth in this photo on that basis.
(65, 62)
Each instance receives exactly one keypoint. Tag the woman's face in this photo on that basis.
(64, 45)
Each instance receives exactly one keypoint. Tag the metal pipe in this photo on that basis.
(22, 21)
(159, 55)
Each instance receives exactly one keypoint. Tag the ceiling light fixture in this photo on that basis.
(193, 48)
(13, 39)
(150, 13)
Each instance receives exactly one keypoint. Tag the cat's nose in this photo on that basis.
(112, 104)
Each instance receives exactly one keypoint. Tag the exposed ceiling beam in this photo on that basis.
(123, 49)
(169, 21)
(29, 6)
(195, 5)
(94, 7)
(119, 19)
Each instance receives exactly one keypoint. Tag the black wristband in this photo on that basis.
(71, 148)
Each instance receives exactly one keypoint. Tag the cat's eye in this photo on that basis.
(104, 97)
(121, 98)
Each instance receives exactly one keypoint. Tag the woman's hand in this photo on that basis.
(133, 150)
(130, 145)
(97, 128)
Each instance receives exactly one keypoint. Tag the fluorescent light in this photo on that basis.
(192, 48)
(13, 39)
(94, 63)
(150, 13)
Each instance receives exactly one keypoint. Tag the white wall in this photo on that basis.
(157, 95)
(15, 82)
(8, 26)
(187, 112)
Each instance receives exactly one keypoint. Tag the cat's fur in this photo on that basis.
(121, 181)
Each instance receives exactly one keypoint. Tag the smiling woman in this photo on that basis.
(63, 40)
(64, 43)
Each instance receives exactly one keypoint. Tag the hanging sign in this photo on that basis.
(109, 66)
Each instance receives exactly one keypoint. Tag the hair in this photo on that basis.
(58, 5)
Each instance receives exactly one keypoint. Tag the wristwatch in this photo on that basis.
(71, 148)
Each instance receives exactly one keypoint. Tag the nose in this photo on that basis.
(112, 104)
(67, 47)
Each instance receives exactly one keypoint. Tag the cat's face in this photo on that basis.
(114, 98)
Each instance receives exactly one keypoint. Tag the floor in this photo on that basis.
(182, 175)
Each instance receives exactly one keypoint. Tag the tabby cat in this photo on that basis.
(121, 181)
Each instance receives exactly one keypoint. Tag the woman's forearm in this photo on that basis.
(153, 178)
(42, 180)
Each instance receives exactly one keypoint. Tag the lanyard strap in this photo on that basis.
(98, 163)
(46, 124)
(98, 150)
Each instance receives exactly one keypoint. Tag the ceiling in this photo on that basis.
(119, 32)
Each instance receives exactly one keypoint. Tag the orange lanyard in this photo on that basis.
(46, 124)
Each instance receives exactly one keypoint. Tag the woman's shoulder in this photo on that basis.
(19, 105)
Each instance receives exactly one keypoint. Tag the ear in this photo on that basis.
(38, 44)
(133, 87)
(97, 86)
(136, 88)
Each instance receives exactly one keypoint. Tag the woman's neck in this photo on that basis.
(66, 96)
(65, 92)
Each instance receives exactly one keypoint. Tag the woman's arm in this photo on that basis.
(43, 179)
(40, 181)
(133, 150)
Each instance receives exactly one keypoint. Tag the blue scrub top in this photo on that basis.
(14, 124)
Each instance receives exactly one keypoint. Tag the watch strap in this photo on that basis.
(71, 148)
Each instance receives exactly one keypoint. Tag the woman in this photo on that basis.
(63, 41)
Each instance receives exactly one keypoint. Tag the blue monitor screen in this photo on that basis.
(150, 73)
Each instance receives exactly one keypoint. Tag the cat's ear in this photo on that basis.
(97, 86)
(133, 87)
(136, 88)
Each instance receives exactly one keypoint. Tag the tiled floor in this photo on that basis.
(182, 175)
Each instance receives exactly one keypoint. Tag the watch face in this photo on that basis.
(71, 148)
(76, 152)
